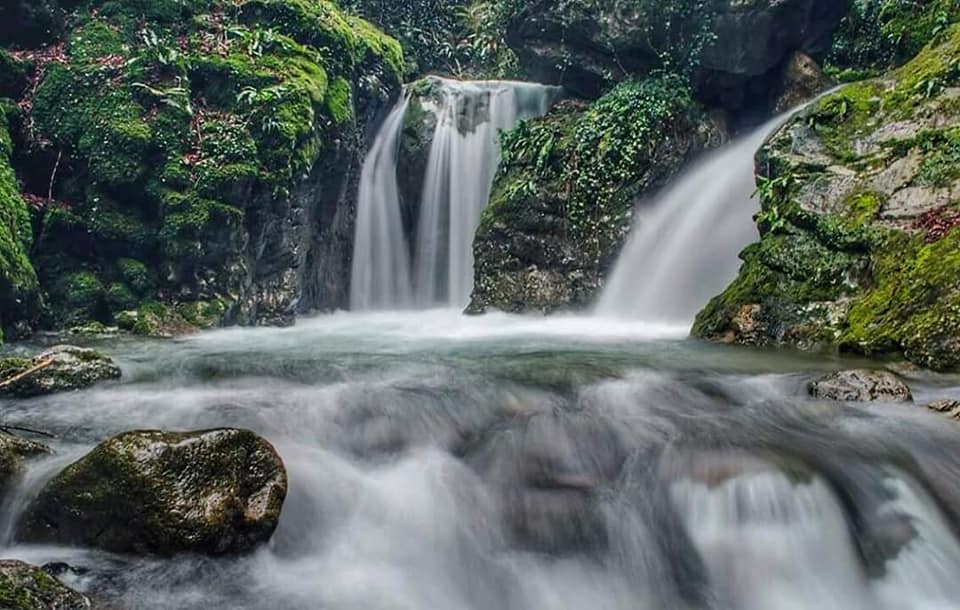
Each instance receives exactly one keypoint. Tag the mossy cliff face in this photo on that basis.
(213, 492)
(562, 203)
(860, 224)
(198, 151)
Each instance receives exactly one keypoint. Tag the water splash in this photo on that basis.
(434, 267)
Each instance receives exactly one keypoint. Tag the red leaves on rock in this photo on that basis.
(937, 223)
(41, 58)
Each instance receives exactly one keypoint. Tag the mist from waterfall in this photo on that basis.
(684, 247)
(434, 267)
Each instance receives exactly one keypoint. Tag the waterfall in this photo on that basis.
(434, 267)
(684, 248)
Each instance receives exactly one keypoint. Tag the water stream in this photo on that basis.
(683, 250)
(511, 463)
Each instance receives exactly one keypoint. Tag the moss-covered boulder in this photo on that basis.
(213, 492)
(860, 222)
(563, 201)
(14, 453)
(860, 386)
(26, 587)
(58, 369)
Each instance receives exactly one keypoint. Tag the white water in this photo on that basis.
(438, 461)
(436, 268)
(683, 250)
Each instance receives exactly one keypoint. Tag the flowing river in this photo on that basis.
(442, 462)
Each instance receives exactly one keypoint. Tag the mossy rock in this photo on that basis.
(860, 223)
(213, 492)
(59, 369)
(26, 587)
(154, 319)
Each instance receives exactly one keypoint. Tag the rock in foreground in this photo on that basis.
(59, 369)
(861, 386)
(213, 492)
(25, 587)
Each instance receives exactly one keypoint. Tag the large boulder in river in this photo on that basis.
(14, 453)
(859, 223)
(582, 45)
(25, 587)
(861, 386)
(58, 369)
(213, 492)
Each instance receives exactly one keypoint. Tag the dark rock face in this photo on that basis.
(861, 386)
(14, 453)
(801, 81)
(59, 369)
(215, 492)
(580, 47)
(30, 23)
(25, 587)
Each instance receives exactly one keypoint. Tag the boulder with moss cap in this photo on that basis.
(212, 492)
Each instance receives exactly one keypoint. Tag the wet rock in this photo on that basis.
(801, 81)
(213, 492)
(25, 587)
(14, 453)
(549, 471)
(861, 386)
(950, 408)
(59, 369)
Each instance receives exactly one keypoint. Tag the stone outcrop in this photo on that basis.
(861, 386)
(859, 223)
(58, 369)
(214, 492)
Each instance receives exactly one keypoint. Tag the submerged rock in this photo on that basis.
(14, 452)
(26, 587)
(861, 386)
(950, 408)
(213, 492)
(59, 369)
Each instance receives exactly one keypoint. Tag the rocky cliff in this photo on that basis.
(193, 160)
(860, 223)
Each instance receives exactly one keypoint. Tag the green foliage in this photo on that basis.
(879, 34)
(181, 114)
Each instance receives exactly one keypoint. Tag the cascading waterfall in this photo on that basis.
(434, 267)
(683, 249)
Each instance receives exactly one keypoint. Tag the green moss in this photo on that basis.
(18, 280)
(913, 304)
(137, 276)
(339, 102)
(120, 297)
(14, 75)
